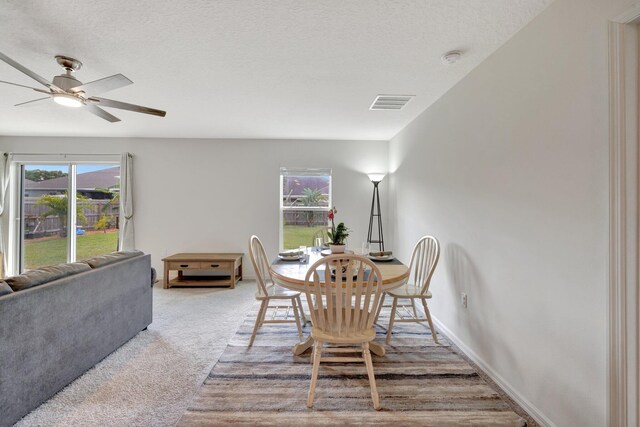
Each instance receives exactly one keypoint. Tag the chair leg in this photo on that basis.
(393, 315)
(372, 378)
(296, 316)
(433, 330)
(384, 294)
(304, 318)
(259, 317)
(415, 312)
(313, 352)
(317, 354)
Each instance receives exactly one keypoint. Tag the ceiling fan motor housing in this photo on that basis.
(66, 81)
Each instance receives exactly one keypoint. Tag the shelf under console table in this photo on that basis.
(203, 269)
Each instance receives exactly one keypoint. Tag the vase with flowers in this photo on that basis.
(337, 234)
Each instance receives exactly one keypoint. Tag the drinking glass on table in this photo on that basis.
(318, 244)
(366, 248)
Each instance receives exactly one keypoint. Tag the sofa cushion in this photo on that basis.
(45, 274)
(5, 288)
(102, 260)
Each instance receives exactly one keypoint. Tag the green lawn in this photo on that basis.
(299, 235)
(50, 251)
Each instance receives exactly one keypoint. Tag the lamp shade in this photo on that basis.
(376, 176)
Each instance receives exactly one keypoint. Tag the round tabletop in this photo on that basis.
(291, 274)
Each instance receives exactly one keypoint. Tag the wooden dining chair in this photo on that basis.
(343, 306)
(424, 259)
(268, 292)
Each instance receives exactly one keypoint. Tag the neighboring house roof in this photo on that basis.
(104, 178)
(296, 184)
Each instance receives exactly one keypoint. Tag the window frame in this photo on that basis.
(286, 171)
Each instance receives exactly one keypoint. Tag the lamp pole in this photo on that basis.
(375, 212)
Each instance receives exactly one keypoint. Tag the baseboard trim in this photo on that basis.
(531, 409)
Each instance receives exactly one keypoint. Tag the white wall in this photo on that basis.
(202, 195)
(510, 171)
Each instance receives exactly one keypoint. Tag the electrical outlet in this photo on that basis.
(463, 299)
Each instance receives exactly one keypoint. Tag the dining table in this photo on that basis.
(291, 274)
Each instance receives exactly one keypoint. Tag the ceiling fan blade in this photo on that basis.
(103, 102)
(28, 87)
(101, 113)
(33, 100)
(29, 73)
(103, 85)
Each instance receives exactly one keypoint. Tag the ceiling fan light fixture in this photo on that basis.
(67, 100)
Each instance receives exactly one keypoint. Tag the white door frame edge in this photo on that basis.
(623, 335)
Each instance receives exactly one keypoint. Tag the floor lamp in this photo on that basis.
(375, 211)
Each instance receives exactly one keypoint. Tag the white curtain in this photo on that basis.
(5, 163)
(127, 242)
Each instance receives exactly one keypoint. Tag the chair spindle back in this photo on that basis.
(260, 265)
(424, 259)
(345, 302)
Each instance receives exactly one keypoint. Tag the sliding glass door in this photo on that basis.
(56, 228)
(98, 207)
(44, 215)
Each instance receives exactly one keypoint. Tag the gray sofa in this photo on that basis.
(52, 333)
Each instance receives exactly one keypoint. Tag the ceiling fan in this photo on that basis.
(68, 91)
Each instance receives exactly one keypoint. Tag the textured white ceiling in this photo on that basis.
(249, 68)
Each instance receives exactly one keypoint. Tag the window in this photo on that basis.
(305, 199)
(51, 227)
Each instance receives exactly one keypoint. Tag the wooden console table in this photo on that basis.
(227, 266)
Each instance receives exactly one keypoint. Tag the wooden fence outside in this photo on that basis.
(307, 218)
(36, 225)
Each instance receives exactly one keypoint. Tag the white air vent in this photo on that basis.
(390, 102)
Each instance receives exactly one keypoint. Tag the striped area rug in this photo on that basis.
(419, 382)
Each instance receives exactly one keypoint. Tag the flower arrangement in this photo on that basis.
(338, 234)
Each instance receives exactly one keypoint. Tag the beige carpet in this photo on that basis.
(419, 382)
(151, 379)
